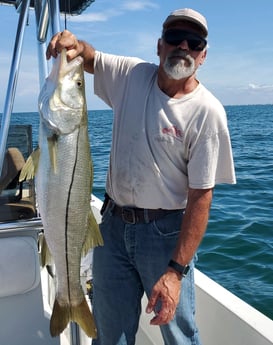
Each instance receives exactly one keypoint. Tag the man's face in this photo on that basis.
(181, 50)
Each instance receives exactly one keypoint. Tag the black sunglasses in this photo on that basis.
(175, 36)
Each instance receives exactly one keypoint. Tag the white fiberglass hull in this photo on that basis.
(222, 318)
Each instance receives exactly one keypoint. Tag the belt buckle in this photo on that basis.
(128, 215)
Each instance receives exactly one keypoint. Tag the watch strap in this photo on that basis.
(183, 270)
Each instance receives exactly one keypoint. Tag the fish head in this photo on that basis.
(62, 102)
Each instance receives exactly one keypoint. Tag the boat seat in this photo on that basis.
(22, 316)
(13, 164)
(17, 200)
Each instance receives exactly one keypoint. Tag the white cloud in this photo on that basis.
(139, 5)
(94, 17)
(105, 15)
(252, 86)
(91, 17)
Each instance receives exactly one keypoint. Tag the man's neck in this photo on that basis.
(176, 88)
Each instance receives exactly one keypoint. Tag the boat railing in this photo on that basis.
(13, 76)
(47, 12)
(33, 223)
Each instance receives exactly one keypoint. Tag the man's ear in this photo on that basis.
(159, 44)
(203, 57)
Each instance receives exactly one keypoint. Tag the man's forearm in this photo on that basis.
(194, 224)
(88, 54)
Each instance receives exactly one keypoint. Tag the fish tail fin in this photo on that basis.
(84, 318)
(59, 319)
(93, 237)
(80, 314)
(30, 168)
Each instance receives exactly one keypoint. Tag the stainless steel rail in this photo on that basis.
(35, 223)
(12, 83)
(42, 22)
(46, 9)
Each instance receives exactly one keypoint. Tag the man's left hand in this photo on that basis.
(165, 296)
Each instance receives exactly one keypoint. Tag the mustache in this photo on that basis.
(179, 53)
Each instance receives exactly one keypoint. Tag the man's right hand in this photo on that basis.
(63, 40)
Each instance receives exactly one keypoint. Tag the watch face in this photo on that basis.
(183, 270)
(186, 270)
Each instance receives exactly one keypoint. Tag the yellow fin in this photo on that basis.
(45, 255)
(93, 236)
(59, 319)
(30, 168)
(84, 318)
(52, 149)
(81, 314)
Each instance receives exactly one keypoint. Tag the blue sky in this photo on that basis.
(239, 65)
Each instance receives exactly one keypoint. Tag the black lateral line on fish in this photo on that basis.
(66, 214)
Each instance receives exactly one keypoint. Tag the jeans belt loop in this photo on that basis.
(146, 216)
(111, 205)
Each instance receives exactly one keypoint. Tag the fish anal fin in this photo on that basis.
(93, 235)
(80, 314)
(30, 168)
(45, 255)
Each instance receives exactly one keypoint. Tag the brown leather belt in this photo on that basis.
(134, 215)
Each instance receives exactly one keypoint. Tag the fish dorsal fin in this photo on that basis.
(30, 168)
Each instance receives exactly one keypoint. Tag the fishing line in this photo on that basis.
(67, 10)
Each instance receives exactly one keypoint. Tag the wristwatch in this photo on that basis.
(183, 270)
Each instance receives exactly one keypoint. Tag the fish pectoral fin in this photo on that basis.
(81, 314)
(30, 168)
(93, 236)
(52, 149)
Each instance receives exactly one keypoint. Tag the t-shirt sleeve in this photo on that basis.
(211, 159)
(110, 73)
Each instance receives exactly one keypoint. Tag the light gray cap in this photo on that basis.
(187, 14)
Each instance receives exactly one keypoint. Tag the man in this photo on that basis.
(170, 147)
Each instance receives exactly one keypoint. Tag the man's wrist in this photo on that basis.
(180, 269)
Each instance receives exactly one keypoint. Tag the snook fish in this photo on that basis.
(64, 175)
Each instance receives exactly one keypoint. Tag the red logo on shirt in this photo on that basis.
(173, 131)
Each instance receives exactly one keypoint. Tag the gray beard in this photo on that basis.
(179, 70)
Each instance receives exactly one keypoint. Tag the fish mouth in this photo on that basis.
(68, 66)
(62, 100)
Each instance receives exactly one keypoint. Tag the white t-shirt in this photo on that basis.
(161, 146)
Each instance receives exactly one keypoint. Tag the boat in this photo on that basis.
(26, 289)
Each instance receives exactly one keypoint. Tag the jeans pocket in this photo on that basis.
(169, 225)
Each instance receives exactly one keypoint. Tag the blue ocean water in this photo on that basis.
(237, 250)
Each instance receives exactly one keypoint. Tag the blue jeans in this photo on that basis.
(131, 261)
